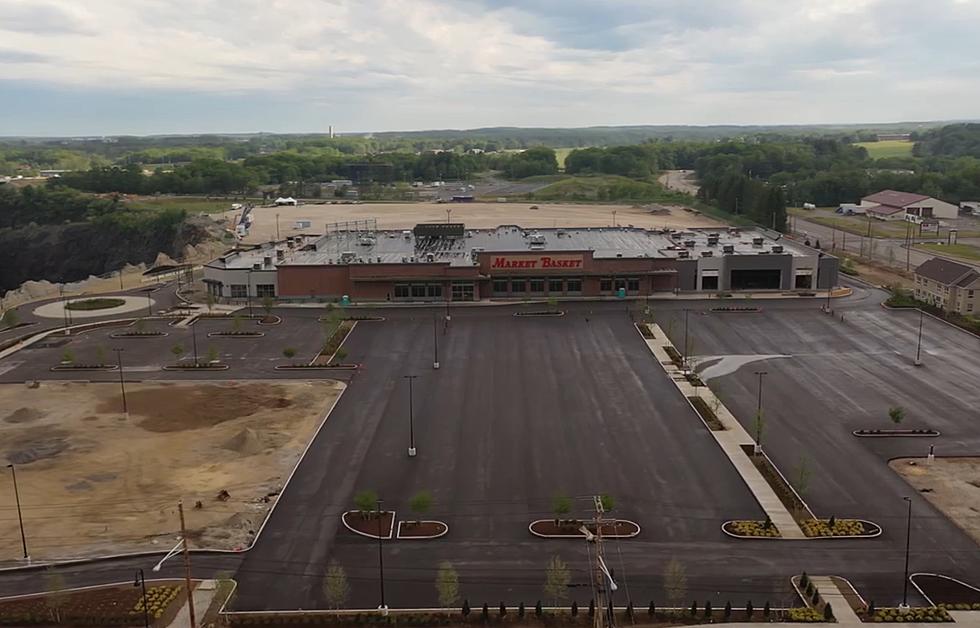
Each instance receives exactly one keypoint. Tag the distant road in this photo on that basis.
(680, 180)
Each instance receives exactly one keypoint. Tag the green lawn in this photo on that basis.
(193, 204)
(888, 148)
(966, 251)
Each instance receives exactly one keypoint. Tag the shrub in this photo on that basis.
(707, 609)
(366, 500)
(574, 609)
(694, 608)
(652, 610)
(828, 612)
(804, 580)
(766, 610)
(591, 608)
(520, 610)
(486, 611)
(289, 352)
(503, 609)
(871, 608)
(538, 610)
(728, 609)
(629, 609)
(466, 608)
(748, 609)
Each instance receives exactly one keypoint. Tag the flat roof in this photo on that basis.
(402, 246)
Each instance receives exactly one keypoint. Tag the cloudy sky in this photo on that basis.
(182, 66)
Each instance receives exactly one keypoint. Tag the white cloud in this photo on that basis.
(426, 63)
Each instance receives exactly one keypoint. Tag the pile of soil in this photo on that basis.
(245, 442)
(198, 407)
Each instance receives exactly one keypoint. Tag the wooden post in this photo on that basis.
(187, 565)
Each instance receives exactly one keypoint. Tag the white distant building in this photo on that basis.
(289, 200)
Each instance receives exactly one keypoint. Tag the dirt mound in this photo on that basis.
(37, 443)
(245, 442)
(23, 415)
(175, 408)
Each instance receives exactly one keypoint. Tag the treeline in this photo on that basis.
(954, 140)
(46, 206)
(294, 170)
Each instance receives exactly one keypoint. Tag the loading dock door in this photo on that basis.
(764, 279)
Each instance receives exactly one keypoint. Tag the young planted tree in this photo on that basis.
(212, 355)
(760, 427)
(366, 501)
(339, 355)
(335, 585)
(675, 582)
(267, 304)
(209, 299)
(557, 579)
(553, 305)
(896, 414)
(100, 355)
(289, 353)
(139, 326)
(447, 585)
(57, 597)
(801, 476)
(561, 505)
(236, 323)
(68, 357)
(420, 505)
(177, 350)
(607, 501)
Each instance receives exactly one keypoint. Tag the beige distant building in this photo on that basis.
(892, 205)
(951, 286)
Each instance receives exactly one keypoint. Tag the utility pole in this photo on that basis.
(908, 246)
(149, 302)
(122, 382)
(918, 347)
(187, 566)
(904, 608)
(20, 517)
(602, 581)
(194, 342)
(758, 415)
(277, 227)
(411, 416)
(435, 342)
(381, 564)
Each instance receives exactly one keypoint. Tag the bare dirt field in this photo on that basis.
(93, 482)
(474, 215)
(950, 484)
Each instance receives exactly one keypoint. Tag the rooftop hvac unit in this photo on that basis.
(366, 241)
(407, 234)
(619, 254)
(728, 248)
(537, 239)
(430, 257)
(757, 241)
(404, 260)
(706, 253)
(713, 239)
(561, 233)
(777, 248)
(256, 266)
(689, 243)
(280, 254)
(683, 254)
(346, 256)
(267, 260)
(379, 259)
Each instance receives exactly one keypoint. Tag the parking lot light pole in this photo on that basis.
(435, 342)
(411, 416)
(758, 415)
(20, 517)
(686, 312)
(918, 347)
(904, 608)
(381, 564)
(194, 342)
(248, 290)
(122, 381)
(149, 302)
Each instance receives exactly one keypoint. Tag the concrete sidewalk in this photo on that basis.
(730, 440)
(832, 594)
(203, 594)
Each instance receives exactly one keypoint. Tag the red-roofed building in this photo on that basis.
(894, 205)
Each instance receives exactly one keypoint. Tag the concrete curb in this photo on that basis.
(530, 528)
(445, 531)
(936, 575)
(391, 529)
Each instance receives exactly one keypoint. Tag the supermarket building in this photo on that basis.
(446, 261)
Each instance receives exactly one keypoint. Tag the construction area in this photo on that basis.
(93, 481)
(300, 219)
(951, 485)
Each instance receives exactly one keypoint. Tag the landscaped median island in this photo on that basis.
(760, 529)
(370, 523)
(101, 303)
(105, 606)
(945, 592)
(886, 433)
(812, 526)
(572, 528)
(138, 330)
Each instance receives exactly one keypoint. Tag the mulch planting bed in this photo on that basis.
(111, 606)
(706, 413)
(945, 591)
(892, 432)
(645, 332)
(94, 304)
(421, 529)
(736, 309)
(138, 334)
(367, 522)
(236, 334)
(333, 343)
(558, 313)
(85, 367)
(673, 354)
(786, 494)
(619, 527)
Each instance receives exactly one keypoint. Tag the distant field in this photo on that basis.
(888, 148)
(609, 188)
(191, 204)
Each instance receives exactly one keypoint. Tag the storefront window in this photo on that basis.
(605, 285)
(518, 285)
(620, 284)
(265, 290)
(633, 285)
(418, 291)
(463, 292)
(401, 291)
(537, 285)
(435, 290)
(500, 286)
(554, 285)
(238, 291)
(574, 285)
